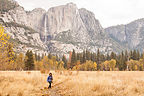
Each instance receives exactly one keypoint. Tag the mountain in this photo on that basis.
(130, 35)
(23, 26)
(58, 30)
(71, 28)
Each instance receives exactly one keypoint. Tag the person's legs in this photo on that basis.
(49, 85)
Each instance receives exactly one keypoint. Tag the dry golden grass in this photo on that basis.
(69, 83)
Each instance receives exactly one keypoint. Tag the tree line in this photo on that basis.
(85, 61)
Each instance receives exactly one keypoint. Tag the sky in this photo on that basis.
(108, 12)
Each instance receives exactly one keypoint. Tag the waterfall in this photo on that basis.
(45, 29)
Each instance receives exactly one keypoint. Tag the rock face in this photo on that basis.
(59, 30)
(131, 34)
(65, 18)
(33, 19)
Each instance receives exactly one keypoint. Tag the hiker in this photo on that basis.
(49, 79)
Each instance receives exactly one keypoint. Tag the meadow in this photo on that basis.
(72, 83)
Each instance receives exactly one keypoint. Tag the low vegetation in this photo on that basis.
(72, 83)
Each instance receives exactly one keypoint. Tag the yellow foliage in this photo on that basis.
(108, 65)
(88, 66)
(6, 55)
(133, 65)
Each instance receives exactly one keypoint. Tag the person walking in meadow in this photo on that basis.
(49, 79)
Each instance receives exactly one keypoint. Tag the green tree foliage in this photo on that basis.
(88, 55)
(64, 61)
(50, 56)
(98, 59)
(73, 59)
(29, 61)
(83, 57)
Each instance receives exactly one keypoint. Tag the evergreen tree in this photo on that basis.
(73, 59)
(38, 57)
(84, 57)
(134, 56)
(92, 57)
(113, 55)
(57, 58)
(126, 56)
(42, 56)
(64, 61)
(88, 55)
(131, 54)
(98, 59)
(108, 57)
(81, 58)
(102, 57)
(138, 55)
(29, 62)
(78, 56)
(122, 62)
(49, 56)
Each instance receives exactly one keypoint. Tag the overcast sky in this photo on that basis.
(108, 12)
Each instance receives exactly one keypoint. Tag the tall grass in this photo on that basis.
(71, 83)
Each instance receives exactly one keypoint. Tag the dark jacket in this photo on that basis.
(49, 79)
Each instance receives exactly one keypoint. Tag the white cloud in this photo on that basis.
(109, 12)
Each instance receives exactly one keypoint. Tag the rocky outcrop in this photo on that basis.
(131, 34)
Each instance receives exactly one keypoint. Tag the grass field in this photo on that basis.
(68, 83)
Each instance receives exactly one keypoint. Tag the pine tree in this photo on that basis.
(29, 61)
(126, 56)
(64, 61)
(134, 55)
(38, 57)
(98, 61)
(73, 59)
(42, 56)
(131, 54)
(88, 55)
(78, 56)
(84, 57)
(113, 55)
(138, 55)
(107, 57)
(57, 58)
(49, 56)
(122, 63)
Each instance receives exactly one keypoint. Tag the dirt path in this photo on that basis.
(55, 90)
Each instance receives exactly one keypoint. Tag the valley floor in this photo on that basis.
(67, 83)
